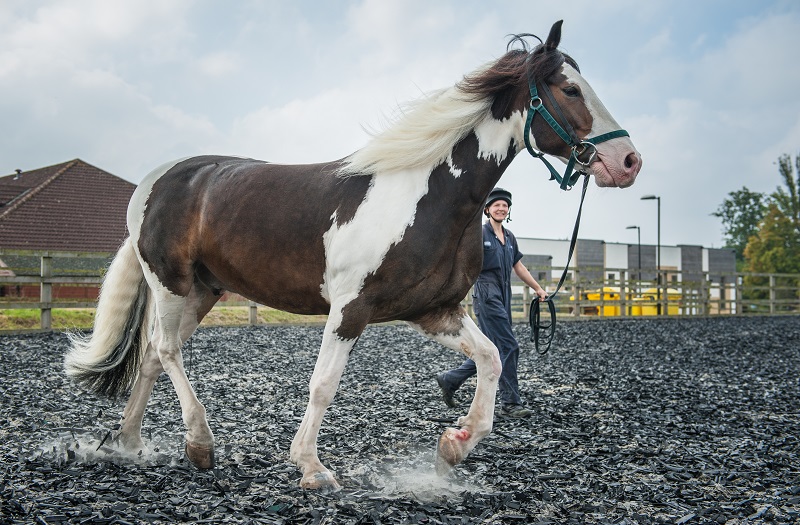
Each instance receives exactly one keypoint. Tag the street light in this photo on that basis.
(658, 256)
(639, 254)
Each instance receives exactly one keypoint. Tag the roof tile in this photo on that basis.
(72, 206)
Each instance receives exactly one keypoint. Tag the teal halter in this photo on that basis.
(579, 147)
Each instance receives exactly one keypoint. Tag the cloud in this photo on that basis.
(130, 84)
(324, 127)
(79, 30)
(392, 24)
(757, 62)
(219, 64)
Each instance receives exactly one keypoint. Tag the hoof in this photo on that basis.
(451, 450)
(201, 456)
(322, 481)
(443, 468)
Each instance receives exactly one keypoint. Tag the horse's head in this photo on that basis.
(593, 138)
(562, 115)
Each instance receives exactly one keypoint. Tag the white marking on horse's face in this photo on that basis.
(602, 121)
(494, 136)
(613, 166)
(356, 249)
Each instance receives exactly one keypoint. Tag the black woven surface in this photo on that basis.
(636, 421)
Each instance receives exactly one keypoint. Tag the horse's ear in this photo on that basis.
(554, 38)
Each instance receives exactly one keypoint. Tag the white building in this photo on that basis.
(597, 260)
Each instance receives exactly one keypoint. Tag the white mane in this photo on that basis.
(423, 135)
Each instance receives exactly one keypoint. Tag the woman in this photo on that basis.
(492, 303)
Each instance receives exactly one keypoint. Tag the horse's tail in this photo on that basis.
(107, 361)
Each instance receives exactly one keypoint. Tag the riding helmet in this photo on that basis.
(498, 194)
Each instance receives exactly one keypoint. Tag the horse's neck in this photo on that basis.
(480, 159)
(451, 194)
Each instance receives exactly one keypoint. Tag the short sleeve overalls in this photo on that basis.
(492, 304)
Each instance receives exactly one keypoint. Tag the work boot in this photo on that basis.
(447, 392)
(515, 411)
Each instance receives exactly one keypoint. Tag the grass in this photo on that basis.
(239, 315)
(30, 319)
(83, 318)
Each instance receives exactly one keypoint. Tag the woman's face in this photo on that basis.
(498, 210)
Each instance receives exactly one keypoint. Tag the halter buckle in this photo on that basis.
(536, 103)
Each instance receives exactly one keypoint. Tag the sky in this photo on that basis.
(708, 90)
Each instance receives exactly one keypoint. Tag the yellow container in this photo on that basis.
(610, 293)
(650, 304)
(649, 308)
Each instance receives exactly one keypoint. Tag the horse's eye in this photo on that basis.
(571, 91)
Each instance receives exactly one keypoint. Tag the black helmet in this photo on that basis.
(498, 194)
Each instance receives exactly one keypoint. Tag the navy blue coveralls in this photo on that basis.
(492, 304)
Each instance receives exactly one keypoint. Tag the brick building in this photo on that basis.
(72, 206)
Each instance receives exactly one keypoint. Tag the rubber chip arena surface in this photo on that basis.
(678, 421)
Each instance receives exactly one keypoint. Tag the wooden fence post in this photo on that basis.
(705, 295)
(723, 296)
(772, 294)
(526, 301)
(738, 283)
(253, 313)
(46, 292)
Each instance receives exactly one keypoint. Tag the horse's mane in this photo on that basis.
(427, 129)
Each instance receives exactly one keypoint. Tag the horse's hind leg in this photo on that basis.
(454, 329)
(198, 304)
(176, 319)
(200, 451)
(130, 432)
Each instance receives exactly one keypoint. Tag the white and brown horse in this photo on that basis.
(391, 232)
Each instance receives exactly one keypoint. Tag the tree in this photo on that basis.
(741, 215)
(788, 201)
(775, 248)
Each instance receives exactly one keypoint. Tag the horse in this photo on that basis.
(389, 233)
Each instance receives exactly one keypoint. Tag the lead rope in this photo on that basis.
(543, 333)
(191, 360)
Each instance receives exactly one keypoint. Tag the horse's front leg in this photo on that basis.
(456, 330)
(324, 382)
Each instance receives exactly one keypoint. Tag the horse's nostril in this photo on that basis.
(631, 161)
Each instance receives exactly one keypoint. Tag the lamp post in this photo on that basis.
(658, 256)
(639, 254)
